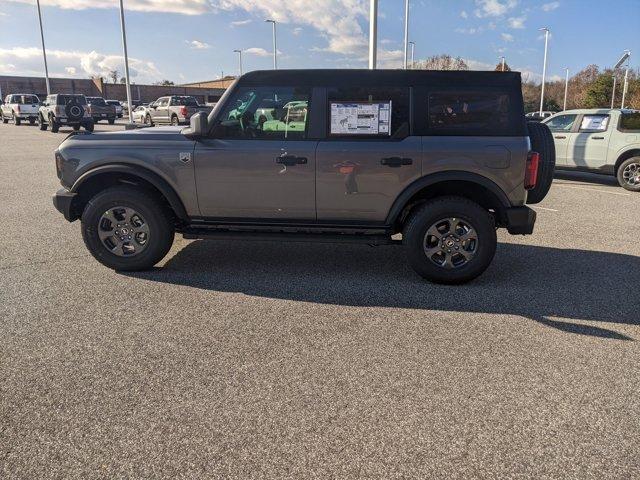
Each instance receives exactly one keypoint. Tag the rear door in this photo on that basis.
(561, 127)
(160, 114)
(588, 146)
(368, 156)
(250, 171)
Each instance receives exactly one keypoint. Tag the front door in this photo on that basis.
(588, 147)
(160, 113)
(255, 169)
(561, 127)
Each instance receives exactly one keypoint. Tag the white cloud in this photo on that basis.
(494, 8)
(516, 22)
(297, 31)
(469, 31)
(548, 7)
(464, 14)
(198, 45)
(258, 52)
(186, 7)
(73, 63)
(507, 37)
(239, 23)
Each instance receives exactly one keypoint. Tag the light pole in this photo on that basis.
(275, 49)
(126, 64)
(413, 50)
(613, 93)
(406, 32)
(44, 53)
(239, 52)
(502, 62)
(626, 79)
(544, 66)
(373, 33)
(566, 89)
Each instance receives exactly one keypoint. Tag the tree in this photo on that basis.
(113, 75)
(598, 94)
(123, 80)
(442, 62)
(498, 68)
(165, 83)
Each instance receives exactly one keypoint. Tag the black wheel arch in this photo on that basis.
(634, 152)
(464, 184)
(99, 178)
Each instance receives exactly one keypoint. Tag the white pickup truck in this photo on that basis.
(599, 140)
(20, 106)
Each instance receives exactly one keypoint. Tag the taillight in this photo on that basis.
(531, 170)
(183, 111)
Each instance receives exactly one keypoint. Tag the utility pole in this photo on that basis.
(126, 63)
(544, 66)
(413, 49)
(566, 89)
(275, 48)
(406, 33)
(44, 52)
(502, 68)
(613, 93)
(626, 79)
(239, 52)
(373, 33)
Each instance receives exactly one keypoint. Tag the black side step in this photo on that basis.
(215, 234)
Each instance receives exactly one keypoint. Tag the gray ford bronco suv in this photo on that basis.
(442, 158)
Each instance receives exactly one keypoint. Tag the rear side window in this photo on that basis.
(25, 99)
(368, 112)
(594, 123)
(184, 101)
(630, 121)
(561, 123)
(468, 113)
(67, 99)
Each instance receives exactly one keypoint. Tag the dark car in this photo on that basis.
(99, 109)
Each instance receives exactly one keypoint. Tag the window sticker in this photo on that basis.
(361, 118)
(594, 122)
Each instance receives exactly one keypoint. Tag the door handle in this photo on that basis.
(597, 138)
(559, 137)
(290, 160)
(395, 162)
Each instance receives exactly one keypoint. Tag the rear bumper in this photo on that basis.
(520, 220)
(63, 200)
(67, 121)
(26, 116)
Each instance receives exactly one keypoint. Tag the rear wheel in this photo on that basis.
(542, 142)
(450, 240)
(127, 229)
(16, 120)
(55, 126)
(32, 121)
(148, 120)
(174, 121)
(89, 127)
(629, 174)
(42, 123)
(112, 121)
(76, 128)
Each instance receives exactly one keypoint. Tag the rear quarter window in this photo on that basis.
(469, 113)
(630, 122)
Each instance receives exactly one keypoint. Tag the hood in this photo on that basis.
(152, 136)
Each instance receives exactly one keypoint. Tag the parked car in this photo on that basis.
(20, 106)
(537, 116)
(599, 140)
(443, 158)
(99, 109)
(65, 109)
(117, 105)
(140, 114)
(174, 110)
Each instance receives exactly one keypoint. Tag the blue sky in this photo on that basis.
(193, 40)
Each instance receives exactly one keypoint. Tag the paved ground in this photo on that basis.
(260, 360)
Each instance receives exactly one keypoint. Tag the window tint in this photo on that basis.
(98, 101)
(184, 101)
(561, 123)
(468, 113)
(630, 121)
(594, 123)
(67, 99)
(278, 113)
(25, 99)
(366, 112)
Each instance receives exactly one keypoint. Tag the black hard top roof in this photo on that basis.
(354, 77)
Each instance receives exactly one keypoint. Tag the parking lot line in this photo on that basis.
(591, 189)
(544, 208)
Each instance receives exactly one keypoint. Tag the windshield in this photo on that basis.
(113, 102)
(97, 101)
(67, 99)
(25, 99)
(185, 101)
(630, 121)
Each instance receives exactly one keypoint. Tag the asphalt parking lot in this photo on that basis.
(266, 360)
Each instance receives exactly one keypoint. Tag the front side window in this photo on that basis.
(594, 123)
(265, 113)
(162, 102)
(630, 121)
(561, 123)
(368, 112)
(468, 113)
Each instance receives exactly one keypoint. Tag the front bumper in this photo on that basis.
(63, 201)
(520, 220)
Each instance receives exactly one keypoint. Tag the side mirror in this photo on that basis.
(198, 126)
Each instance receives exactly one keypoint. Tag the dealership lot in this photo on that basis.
(251, 360)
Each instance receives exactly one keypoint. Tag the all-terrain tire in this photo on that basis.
(156, 215)
(41, 123)
(430, 213)
(628, 174)
(55, 126)
(542, 142)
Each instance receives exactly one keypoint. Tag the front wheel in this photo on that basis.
(16, 120)
(4, 119)
(111, 121)
(629, 174)
(174, 121)
(127, 229)
(148, 120)
(55, 126)
(450, 240)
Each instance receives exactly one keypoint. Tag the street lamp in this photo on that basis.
(544, 66)
(44, 53)
(502, 62)
(126, 64)
(413, 49)
(566, 88)
(373, 33)
(239, 52)
(625, 57)
(275, 50)
(406, 33)
(613, 93)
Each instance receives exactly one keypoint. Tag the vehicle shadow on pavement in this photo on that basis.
(548, 285)
(586, 177)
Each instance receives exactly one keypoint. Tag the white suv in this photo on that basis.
(20, 106)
